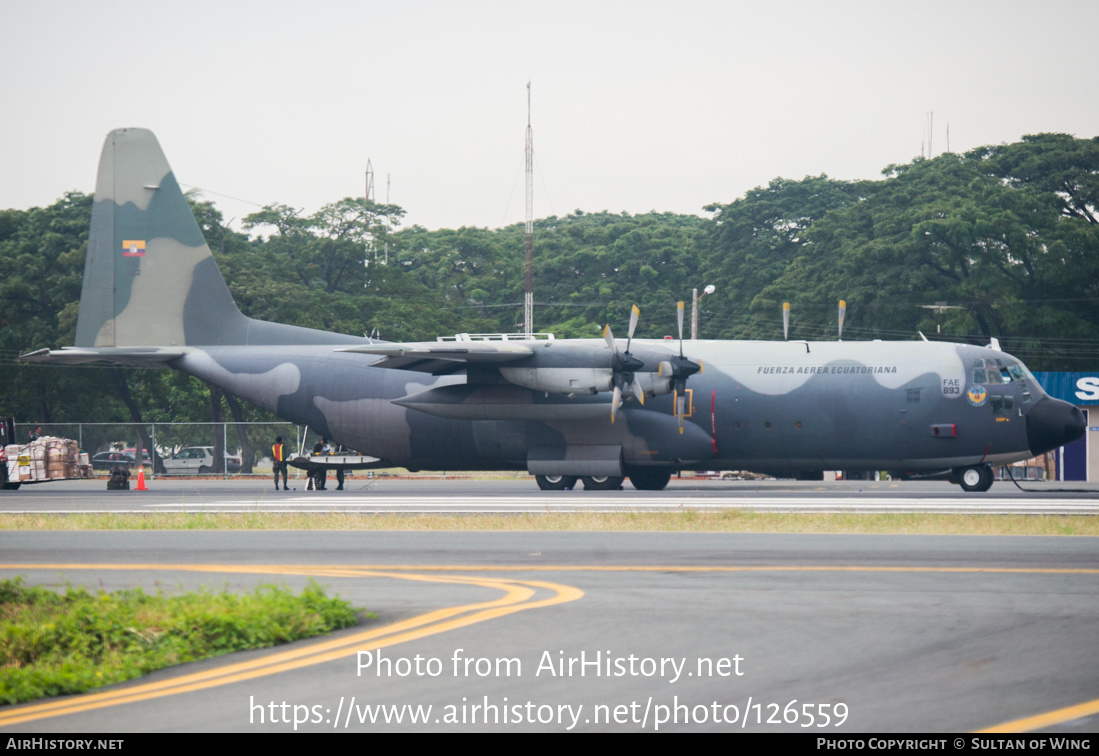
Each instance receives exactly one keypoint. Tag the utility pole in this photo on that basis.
(528, 242)
(694, 308)
(694, 314)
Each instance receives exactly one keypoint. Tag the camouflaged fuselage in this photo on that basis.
(153, 296)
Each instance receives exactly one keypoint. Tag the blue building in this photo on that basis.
(1080, 459)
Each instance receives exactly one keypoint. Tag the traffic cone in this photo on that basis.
(141, 479)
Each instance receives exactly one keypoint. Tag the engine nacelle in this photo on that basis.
(560, 380)
(655, 384)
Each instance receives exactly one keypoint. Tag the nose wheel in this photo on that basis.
(975, 478)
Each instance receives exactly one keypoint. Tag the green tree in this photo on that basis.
(42, 258)
(754, 241)
(945, 230)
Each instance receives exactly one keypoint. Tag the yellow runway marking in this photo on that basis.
(1048, 719)
(517, 597)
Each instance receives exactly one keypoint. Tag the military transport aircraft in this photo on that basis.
(596, 410)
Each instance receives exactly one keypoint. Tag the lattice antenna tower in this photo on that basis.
(370, 198)
(528, 241)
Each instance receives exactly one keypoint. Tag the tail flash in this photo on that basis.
(149, 277)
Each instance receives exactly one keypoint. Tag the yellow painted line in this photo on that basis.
(1048, 719)
(338, 570)
(517, 597)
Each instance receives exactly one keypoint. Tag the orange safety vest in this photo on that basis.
(279, 451)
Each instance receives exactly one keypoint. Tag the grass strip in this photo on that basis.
(685, 520)
(55, 644)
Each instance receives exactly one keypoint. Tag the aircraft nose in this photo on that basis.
(1052, 423)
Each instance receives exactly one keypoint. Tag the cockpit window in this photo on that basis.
(995, 372)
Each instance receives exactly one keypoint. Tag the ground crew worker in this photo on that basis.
(278, 453)
(320, 472)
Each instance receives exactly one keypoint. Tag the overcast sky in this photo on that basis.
(637, 106)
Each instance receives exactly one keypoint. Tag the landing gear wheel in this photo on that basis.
(650, 480)
(602, 483)
(556, 482)
(975, 478)
(10, 486)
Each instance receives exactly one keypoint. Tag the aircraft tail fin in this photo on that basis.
(149, 276)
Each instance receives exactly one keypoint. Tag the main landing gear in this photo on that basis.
(642, 480)
(973, 478)
(602, 483)
(556, 482)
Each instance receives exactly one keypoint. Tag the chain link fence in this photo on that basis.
(218, 449)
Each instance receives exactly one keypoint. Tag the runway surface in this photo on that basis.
(521, 495)
(618, 632)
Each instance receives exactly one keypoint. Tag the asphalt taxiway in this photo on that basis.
(623, 632)
(609, 632)
(521, 495)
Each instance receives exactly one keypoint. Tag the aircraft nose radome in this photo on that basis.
(1052, 423)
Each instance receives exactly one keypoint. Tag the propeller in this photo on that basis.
(843, 312)
(786, 321)
(680, 369)
(624, 366)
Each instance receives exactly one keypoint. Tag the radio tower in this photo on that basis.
(369, 199)
(528, 242)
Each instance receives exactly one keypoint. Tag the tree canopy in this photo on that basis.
(1002, 241)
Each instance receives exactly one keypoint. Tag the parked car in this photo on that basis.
(198, 460)
(107, 459)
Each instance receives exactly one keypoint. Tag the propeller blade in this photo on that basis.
(609, 337)
(786, 321)
(843, 312)
(615, 402)
(635, 315)
(679, 317)
(638, 391)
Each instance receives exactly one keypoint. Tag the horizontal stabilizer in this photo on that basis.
(149, 357)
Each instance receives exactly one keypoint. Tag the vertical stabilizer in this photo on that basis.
(149, 277)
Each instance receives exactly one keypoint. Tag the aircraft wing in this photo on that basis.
(441, 357)
(134, 356)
